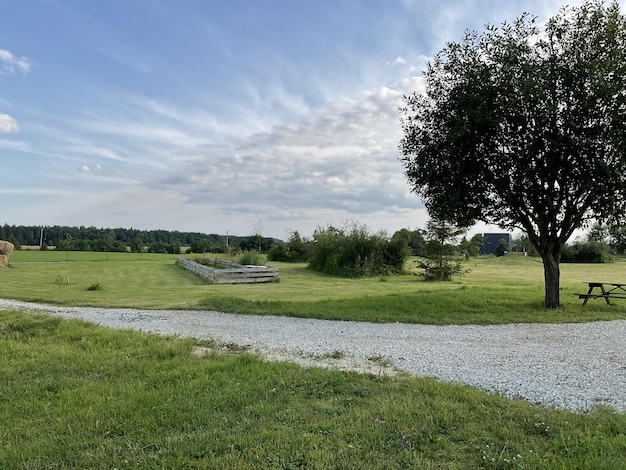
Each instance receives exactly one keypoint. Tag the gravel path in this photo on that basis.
(573, 366)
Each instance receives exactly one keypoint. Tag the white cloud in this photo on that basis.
(341, 160)
(9, 63)
(400, 61)
(88, 169)
(8, 124)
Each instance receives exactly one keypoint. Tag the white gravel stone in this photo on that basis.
(571, 365)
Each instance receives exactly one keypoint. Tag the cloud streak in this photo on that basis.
(8, 124)
(9, 63)
(343, 157)
(208, 117)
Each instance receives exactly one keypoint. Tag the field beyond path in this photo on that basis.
(572, 366)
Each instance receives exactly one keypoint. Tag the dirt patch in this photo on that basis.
(374, 367)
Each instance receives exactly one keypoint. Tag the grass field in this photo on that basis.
(77, 396)
(497, 290)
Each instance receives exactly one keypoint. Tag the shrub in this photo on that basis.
(250, 257)
(296, 250)
(354, 252)
(440, 246)
(587, 252)
(433, 271)
(279, 252)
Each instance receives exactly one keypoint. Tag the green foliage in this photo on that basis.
(505, 114)
(613, 235)
(502, 247)
(523, 126)
(160, 247)
(77, 395)
(522, 244)
(441, 271)
(586, 252)
(296, 250)
(207, 246)
(471, 248)
(256, 243)
(354, 252)
(440, 248)
(13, 239)
(414, 239)
(617, 240)
(121, 239)
(137, 245)
(279, 252)
(251, 257)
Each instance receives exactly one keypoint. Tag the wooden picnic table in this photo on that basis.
(607, 290)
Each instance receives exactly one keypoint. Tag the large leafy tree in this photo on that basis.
(525, 127)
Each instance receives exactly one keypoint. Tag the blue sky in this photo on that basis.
(218, 116)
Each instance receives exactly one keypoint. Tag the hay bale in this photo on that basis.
(6, 248)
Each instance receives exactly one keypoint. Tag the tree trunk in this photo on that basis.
(551, 256)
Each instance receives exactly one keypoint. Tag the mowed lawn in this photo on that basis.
(74, 395)
(497, 290)
(77, 395)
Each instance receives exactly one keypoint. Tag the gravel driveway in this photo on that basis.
(570, 366)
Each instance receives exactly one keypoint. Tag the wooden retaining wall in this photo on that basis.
(233, 274)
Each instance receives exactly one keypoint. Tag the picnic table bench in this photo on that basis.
(608, 290)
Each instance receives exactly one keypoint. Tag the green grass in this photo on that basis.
(75, 395)
(497, 290)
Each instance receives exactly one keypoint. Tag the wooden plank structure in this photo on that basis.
(608, 290)
(231, 273)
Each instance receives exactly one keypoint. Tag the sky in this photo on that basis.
(239, 116)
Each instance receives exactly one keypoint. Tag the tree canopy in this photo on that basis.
(525, 127)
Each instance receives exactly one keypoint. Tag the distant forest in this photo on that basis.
(122, 239)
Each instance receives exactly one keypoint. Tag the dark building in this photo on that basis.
(491, 241)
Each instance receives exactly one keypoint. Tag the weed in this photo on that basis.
(380, 360)
(336, 354)
(253, 258)
(62, 280)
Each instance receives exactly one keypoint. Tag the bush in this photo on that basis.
(279, 252)
(587, 252)
(252, 258)
(354, 252)
(296, 250)
(433, 271)
(440, 248)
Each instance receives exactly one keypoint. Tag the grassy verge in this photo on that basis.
(74, 395)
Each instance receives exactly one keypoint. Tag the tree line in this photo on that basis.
(123, 239)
